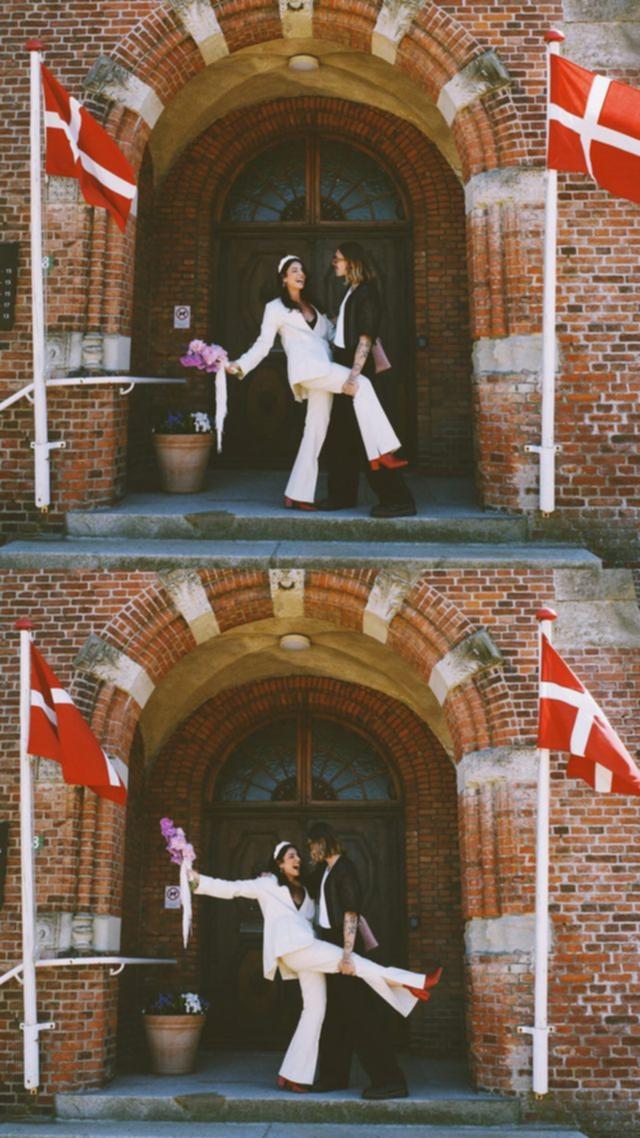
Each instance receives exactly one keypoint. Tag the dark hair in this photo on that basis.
(283, 292)
(359, 267)
(322, 832)
(275, 864)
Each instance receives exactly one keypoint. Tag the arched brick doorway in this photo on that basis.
(416, 832)
(295, 769)
(422, 258)
(307, 194)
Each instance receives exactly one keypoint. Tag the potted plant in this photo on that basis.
(182, 442)
(173, 1023)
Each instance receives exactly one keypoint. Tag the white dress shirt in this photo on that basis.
(339, 336)
(323, 913)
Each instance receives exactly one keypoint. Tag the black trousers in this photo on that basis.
(346, 456)
(357, 1022)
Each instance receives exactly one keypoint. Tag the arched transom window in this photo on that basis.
(304, 759)
(311, 180)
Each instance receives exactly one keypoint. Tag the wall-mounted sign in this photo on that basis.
(182, 316)
(8, 282)
(4, 842)
(172, 897)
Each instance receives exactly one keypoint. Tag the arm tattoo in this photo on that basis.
(360, 357)
(350, 929)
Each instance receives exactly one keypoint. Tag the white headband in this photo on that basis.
(289, 257)
(280, 846)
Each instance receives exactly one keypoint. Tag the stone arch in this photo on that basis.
(121, 671)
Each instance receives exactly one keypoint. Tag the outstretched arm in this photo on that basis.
(262, 346)
(222, 889)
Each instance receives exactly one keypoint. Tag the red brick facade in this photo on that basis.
(464, 759)
(498, 133)
(491, 721)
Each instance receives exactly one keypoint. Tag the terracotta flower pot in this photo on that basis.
(173, 1042)
(183, 461)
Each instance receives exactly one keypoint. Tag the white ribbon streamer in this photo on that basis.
(185, 901)
(221, 404)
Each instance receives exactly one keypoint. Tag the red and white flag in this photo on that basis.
(571, 720)
(78, 147)
(594, 128)
(58, 731)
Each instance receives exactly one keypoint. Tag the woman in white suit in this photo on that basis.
(305, 334)
(290, 945)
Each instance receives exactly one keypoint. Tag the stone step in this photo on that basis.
(125, 554)
(285, 525)
(271, 1130)
(231, 1106)
(241, 505)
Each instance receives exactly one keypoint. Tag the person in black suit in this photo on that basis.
(357, 328)
(354, 1024)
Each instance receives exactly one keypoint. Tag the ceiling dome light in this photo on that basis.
(295, 642)
(304, 63)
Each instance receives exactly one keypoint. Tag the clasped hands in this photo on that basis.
(350, 385)
(346, 966)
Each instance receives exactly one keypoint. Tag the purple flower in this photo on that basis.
(178, 847)
(206, 357)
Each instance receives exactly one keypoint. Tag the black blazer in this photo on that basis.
(342, 891)
(362, 315)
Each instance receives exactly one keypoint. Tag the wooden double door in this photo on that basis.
(247, 1010)
(264, 424)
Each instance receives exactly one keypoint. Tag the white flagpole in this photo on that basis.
(545, 616)
(547, 448)
(41, 445)
(30, 1024)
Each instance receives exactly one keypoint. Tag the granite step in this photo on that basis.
(60, 1129)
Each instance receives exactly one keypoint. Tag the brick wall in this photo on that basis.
(491, 720)
(500, 132)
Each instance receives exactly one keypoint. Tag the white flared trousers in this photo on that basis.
(310, 964)
(377, 433)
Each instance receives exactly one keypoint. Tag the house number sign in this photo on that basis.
(8, 281)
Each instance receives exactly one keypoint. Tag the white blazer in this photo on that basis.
(286, 928)
(307, 349)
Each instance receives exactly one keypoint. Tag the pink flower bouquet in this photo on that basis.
(206, 357)
(211, 357)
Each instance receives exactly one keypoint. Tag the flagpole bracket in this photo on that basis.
(59, 444)
(34, 1029)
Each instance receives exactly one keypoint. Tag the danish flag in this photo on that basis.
(594, 128)
(58, 731)
(571, 720)
(78, 147)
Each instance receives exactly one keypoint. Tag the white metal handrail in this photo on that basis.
(128, 382)
(73, 961)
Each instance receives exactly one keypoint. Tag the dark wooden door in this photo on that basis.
(264, 423)
(248, 1010)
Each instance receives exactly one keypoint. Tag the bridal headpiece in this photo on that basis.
(288, 257)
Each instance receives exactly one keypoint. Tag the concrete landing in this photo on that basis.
(136, 553)
(248, 505)
(271, 1130)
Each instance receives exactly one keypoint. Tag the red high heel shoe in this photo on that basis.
(291, 504)
(430, 981)
(388, 460)
(288, 1085)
